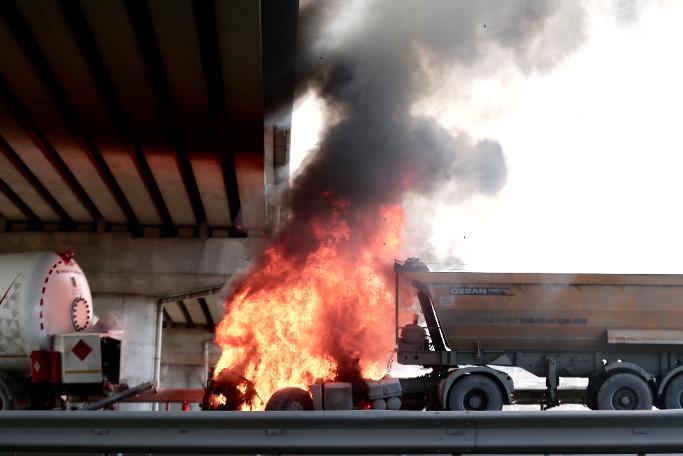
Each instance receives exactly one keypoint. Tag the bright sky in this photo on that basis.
(594, 152)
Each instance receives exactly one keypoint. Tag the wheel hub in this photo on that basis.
(475, 402)
(625, 399)
(294, 407)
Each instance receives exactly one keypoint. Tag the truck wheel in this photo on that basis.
(14, 393)
(476, 393)
(624, 392)
(673, 398)
(5, 397)
(290, 399)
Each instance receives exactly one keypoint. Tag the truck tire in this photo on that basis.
(624, 392)
(14, 393)
(475, 393)
(673, 397)
(290, 399)
(5, 396)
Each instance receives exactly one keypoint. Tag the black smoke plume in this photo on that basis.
(372, 74)
(371, 61)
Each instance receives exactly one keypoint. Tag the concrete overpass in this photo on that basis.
(146, 117)
(152, 138)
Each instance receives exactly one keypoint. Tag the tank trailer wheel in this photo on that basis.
(475, 393)
(5, 397)
(290, 399)
(14, 394)
(673, 397)
(624, 392)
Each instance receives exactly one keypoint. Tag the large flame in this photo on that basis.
(326, 313)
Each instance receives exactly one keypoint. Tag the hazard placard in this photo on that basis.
(81, 357)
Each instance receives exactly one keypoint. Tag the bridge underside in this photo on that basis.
(149, 117)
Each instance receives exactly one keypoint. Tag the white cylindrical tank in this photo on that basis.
(41, 294)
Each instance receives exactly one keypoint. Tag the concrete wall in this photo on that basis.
(119, 263)
(182, 357)
(136, 314)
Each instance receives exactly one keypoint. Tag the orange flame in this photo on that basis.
(324, 314)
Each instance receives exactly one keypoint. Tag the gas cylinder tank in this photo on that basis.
(42, 294)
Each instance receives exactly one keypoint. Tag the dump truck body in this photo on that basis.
(552, 325)
(558, 312)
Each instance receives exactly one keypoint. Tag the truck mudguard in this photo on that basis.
(502, 379)
(618, 368)
(667, 378)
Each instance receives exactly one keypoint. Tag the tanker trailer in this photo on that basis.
(46, 349)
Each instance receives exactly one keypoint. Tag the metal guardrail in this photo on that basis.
(347, 432)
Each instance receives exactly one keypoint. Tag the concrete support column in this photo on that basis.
(136, 314)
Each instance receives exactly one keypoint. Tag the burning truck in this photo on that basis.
(622, 332)
(49, 344)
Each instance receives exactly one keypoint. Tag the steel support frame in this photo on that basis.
(207, 314)
(21, 31)
(186, 314)
(143, 28)
(85, 39)
(29, 124)
(27, 174)
(223, 126)
(20, 204)
(345, 432)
